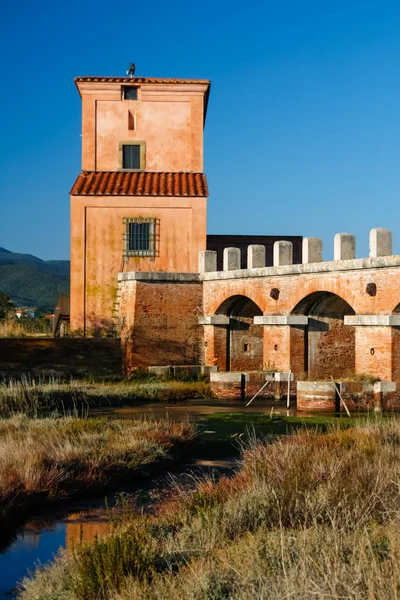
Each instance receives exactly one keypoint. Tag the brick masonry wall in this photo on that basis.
(348, 346)
(63, 357)
(160, 324)
(246, 339)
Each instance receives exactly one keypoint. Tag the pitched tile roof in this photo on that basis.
(139, 183)
(139, 80)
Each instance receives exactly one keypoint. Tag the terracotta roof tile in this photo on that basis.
(139, 183)
(138, 80)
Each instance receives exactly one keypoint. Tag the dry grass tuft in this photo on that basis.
(38, 398)
(55, 458)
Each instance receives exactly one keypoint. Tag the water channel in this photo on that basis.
(40, 538)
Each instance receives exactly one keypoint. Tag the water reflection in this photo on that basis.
(41, 539)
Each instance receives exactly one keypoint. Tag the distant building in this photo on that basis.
(24, 313)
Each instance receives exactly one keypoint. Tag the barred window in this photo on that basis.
(141, 236)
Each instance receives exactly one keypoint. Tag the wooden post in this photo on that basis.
(340, 396)
(288, 389)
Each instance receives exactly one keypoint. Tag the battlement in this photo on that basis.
(380, 256)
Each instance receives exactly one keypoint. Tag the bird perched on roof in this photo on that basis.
(131, 70)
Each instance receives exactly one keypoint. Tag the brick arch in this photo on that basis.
(240, 344)
(329, 344)
(225, 296)
(396, 309)
(332, 286)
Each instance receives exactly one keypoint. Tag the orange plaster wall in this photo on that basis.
(97, 248)
(168, 117)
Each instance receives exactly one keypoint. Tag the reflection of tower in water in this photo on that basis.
(85, 526)
(30, 539)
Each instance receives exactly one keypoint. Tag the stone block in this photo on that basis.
(231, 259)
(344, 246)
(207, 261)
(380, 242)
(384, 387)
(373, 320)
(160, 371)
(278, 376)
(214, 320)
(281, 320)
(283, 253)
(255, 256)
(312, 250)
(186, 370)
(208, 369)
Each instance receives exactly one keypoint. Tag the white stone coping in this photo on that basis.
(157, 276)
(229, 377)
(379, 262)
(214, 320)
(371, 320)
(281, 320)
(384, 387)
(278, 376)
(316, 386)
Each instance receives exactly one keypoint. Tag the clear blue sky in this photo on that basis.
(303, 128)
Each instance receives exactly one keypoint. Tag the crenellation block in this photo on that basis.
(283, 253)
(256, 256)
(231, 259)
(207, 261)
(380, 242)
(312, 250)
(344, 246)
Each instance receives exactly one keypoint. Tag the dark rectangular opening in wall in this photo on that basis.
(131, 156)
(130, 92)
(247, 347)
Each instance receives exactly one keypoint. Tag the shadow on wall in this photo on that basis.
(239, 346)
(329, 345)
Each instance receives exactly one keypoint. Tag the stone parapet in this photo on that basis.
(379, 262)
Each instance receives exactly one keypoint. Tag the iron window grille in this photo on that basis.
(141, 236)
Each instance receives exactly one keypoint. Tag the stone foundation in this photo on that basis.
(358, 396)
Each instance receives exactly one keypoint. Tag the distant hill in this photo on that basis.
(31, 282)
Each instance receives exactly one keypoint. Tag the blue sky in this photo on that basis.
(303, 128)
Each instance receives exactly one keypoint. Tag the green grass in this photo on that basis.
(228, 425)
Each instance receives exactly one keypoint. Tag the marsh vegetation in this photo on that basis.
(311, 515)
(50, 460)
(40, 397)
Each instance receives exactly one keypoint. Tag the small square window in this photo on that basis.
(130, 92)
(141, 236)
(131, 156)
(246, 347)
